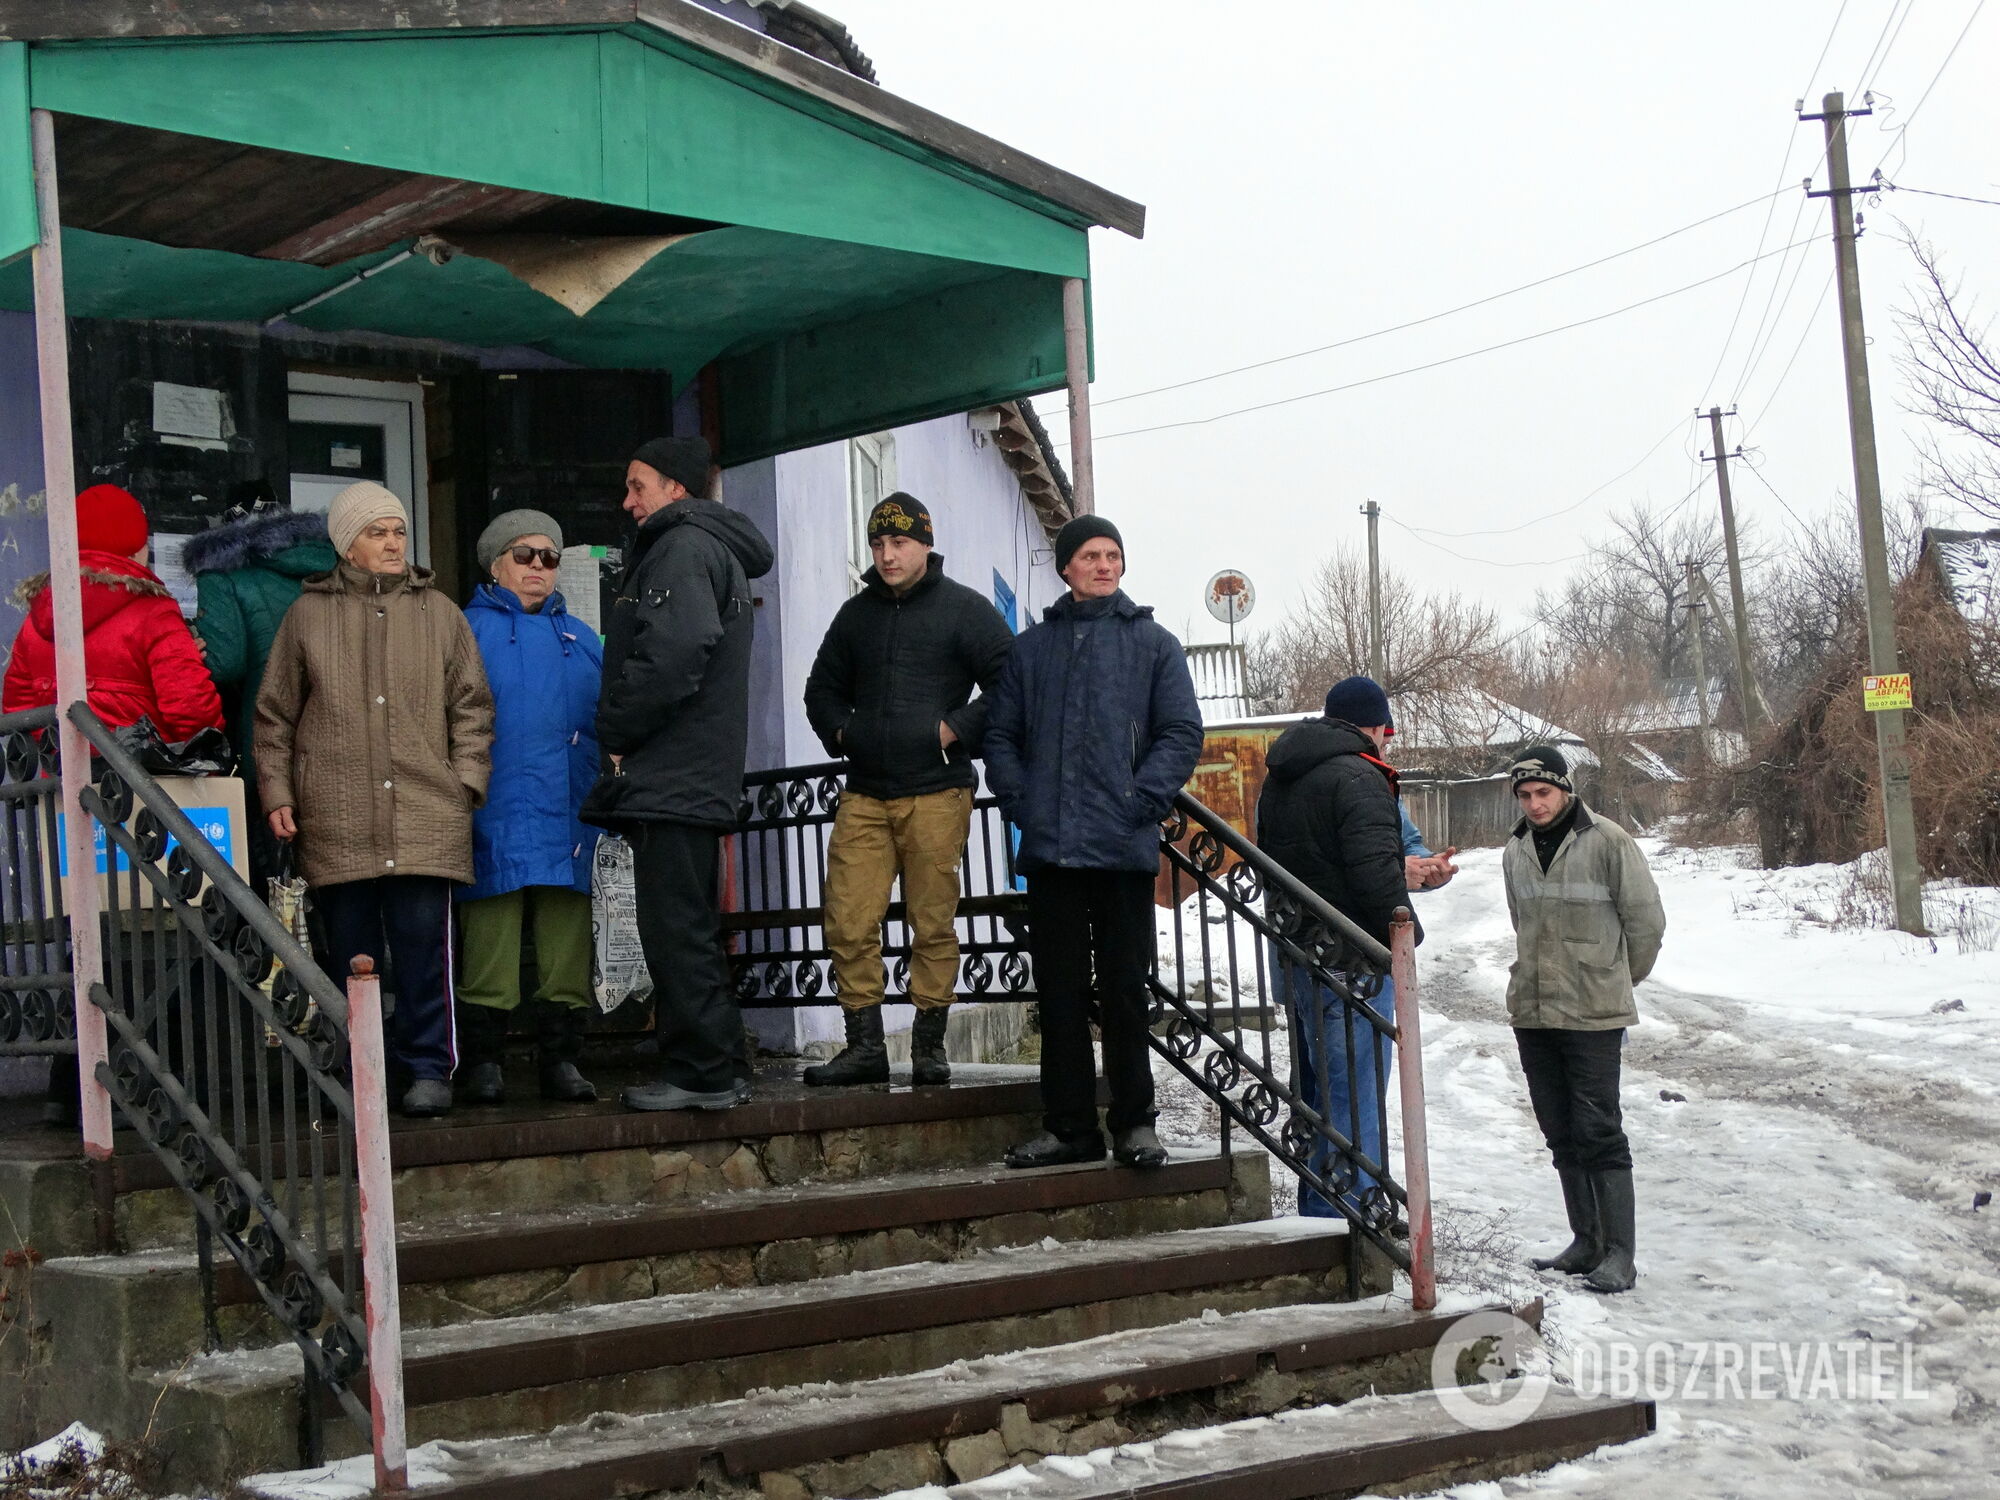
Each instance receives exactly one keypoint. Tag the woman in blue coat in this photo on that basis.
(531, 855)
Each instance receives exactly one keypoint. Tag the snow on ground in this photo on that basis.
(1811, 1111)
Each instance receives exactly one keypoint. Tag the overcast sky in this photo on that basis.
(1315, 172)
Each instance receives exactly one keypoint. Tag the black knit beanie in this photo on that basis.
(685, 459)
(1075, 533)
(1541, 763)
(901, 514)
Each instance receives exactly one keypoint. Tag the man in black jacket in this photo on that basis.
(674, 721)
(891, 690)
(1328, 813)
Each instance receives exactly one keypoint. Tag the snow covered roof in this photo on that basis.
(1677, 707)
(1969, 564)
(1471, 719)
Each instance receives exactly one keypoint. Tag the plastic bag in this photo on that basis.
(207, 753)
(618, 970)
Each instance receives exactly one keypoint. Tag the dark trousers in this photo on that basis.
(1573, 1083)
(675, 869)
(1080, 923)
(403, 922)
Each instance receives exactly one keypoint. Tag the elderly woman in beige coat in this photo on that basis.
(373, 726)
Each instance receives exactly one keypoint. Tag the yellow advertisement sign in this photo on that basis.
(1891, 690)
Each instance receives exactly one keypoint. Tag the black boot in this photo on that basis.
(1587, 1248)
(928, 1064)
(863, 1060)
(558, 1044)
(482, 1038)
(1617, 1215)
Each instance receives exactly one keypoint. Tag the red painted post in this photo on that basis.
(80, 896)
(1416, 1133)
(369, 1069)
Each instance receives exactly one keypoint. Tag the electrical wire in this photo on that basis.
(1758, 470)
(1902, 130)
(1526, 338)
(1755, 359)
(1774, 306)
(1878, 55)
(1897, 187)
(1533, 562)
(1812, 321)
(1554, 514)
(1434, 317)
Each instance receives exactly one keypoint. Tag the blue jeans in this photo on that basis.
(1315, 1010)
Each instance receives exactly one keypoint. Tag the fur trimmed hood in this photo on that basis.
(252, 540)
(110, 582)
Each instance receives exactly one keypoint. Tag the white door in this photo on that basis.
(343, 430)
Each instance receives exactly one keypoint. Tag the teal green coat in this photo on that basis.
(247, 574)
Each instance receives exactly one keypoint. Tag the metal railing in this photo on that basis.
(37, 1003)
(1263, 996)
(779, 954)
(229, 1056)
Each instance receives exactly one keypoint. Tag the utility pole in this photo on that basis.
(1891, 746)
(1376, 667)
(1700, 660)
(1757, 707)
(1753, 719)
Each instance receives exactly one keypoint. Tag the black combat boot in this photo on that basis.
(1616, 1214)
(1586, 1249)
(863, 1060)
(482, 1038)
(928, 1064)
(558, 1044)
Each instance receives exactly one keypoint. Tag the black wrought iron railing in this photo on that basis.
(1266, 999)
(228, 1055)
(37, 1004)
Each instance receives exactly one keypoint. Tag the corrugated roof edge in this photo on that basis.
(134, 20)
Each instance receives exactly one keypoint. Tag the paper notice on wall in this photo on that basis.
(192, 416)
(619, 967)
(169, 569)
(580, 581)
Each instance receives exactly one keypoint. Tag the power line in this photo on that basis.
(1903, 130)
(1897, 187)
(1872, 67)
(1755, 358)
(1434, 317)
(1552, 515)
(1533, 562)
(1527, 338)
(1812, 320)
(1758, 470)
(1827, 46)
(1773, 307)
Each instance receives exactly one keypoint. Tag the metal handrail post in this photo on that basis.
(80, 894)
(376, 1190)
(1416, 1135)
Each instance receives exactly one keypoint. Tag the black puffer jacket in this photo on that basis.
(676, 697)
(1328, 814)
(891, 668)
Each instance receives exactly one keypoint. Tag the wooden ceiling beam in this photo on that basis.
(415, 205)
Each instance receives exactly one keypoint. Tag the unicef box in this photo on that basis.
(214, 804)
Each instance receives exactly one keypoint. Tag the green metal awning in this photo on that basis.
(847, 260)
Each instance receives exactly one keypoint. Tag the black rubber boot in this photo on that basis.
(482, 1038)
(863, 1060)
(1587, 1248)
(1047, 1150)
(928, 1064)
(1617, 1215)
(558, 1044)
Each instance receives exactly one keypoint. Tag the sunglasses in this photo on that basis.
(548, 557)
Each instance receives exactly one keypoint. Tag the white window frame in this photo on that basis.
(877, 449)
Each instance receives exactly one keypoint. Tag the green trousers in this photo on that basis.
(558, 917)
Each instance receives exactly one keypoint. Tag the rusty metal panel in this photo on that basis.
(1227, 781)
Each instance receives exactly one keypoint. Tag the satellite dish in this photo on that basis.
(1230, 596)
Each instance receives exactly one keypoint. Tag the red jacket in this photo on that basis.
(139, 656)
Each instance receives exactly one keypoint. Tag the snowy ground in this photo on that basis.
(1811, 1110)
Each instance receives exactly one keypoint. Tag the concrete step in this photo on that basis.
(967, 1421)
(528, 1374)
(530, 1157)
(1399, 1443)
(143, 1310)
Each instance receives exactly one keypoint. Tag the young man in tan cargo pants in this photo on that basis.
(891, 691)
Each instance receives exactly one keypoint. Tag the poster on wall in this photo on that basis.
(170, 570)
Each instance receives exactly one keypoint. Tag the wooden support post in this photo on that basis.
(375, 1187)
(80, 893)
(1076, 355)
(1416, 1133)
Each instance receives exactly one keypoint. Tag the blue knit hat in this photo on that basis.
(1360, 701)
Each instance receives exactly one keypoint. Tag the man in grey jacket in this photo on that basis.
(1588, 925)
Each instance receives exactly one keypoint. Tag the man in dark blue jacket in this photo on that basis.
(1090, 732)
(891, 690)
(674, 721)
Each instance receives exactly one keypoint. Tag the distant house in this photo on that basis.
(1669, 725)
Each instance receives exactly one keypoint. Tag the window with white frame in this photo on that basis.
(871, 474)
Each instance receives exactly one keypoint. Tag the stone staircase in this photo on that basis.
(832, 1293)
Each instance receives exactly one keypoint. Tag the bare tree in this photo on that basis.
(1953, 371)
(1433, 643)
